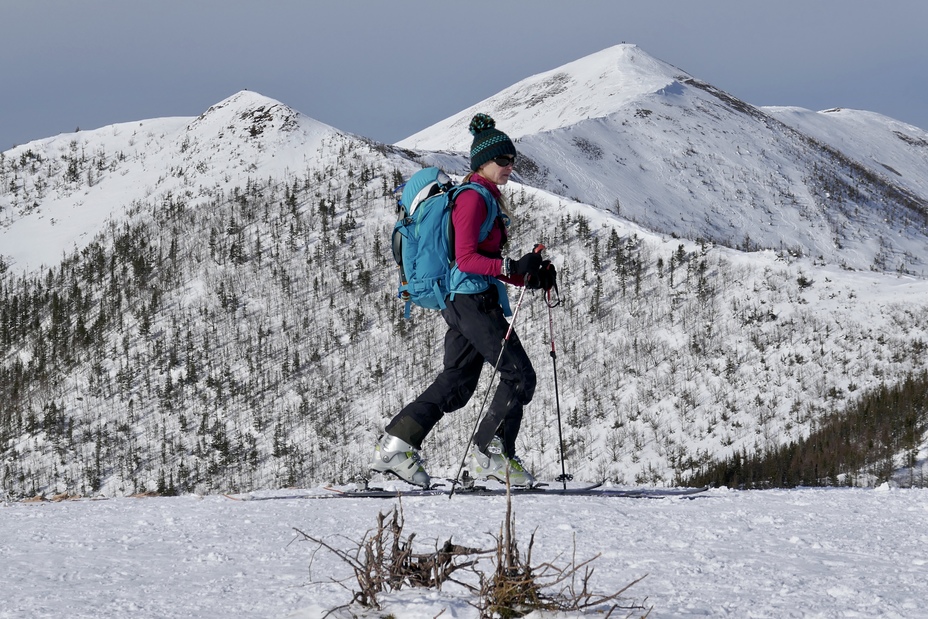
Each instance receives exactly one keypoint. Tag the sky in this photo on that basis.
(386, 70)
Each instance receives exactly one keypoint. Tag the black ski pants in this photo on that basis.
(476, 329)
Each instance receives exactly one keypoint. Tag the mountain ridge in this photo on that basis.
(723, 169)
(556, 98)
(56, 183)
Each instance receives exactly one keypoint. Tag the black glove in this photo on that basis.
(526, 265)
(547, 276)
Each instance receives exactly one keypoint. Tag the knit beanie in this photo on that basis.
(489, 142)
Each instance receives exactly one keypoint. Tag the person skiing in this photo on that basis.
(475, 315)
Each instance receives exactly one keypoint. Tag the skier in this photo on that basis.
(476, 330)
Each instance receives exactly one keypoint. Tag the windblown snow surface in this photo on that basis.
(777, 553)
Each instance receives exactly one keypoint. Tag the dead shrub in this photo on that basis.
(516, 589)
(384, 561)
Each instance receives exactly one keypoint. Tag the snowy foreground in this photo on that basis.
(797, 553)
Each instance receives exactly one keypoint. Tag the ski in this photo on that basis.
(651, 493)
(477, 489)
(385, 493)
(592, 490)
(542, 488)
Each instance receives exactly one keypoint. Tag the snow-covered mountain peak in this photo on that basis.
(245, 112)
(635, 136)
(591, 87)
(246, 124)
(63, 189)
(243, 99)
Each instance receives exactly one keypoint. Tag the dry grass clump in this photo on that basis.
(384, 560)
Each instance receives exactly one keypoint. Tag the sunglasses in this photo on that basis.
(504, 161)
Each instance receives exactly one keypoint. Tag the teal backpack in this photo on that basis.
(423, 237)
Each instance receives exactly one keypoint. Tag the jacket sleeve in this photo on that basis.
(469, 213)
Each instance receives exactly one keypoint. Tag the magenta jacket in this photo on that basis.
(479, 258)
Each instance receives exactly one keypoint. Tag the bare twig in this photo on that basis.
(384, 560)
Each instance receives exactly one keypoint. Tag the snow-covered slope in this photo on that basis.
(60, 191)
(642, 139)
(592, 87)
(874, 140)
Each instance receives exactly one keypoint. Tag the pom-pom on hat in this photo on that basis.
(489, 142)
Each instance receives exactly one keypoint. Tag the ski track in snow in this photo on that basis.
(779, 553)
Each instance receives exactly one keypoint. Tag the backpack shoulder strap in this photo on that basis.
(491, 203)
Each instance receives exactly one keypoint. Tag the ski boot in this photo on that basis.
(396, 456)
(494, 465)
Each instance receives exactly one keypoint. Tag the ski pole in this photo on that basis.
(564, 477)
(486, 396)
